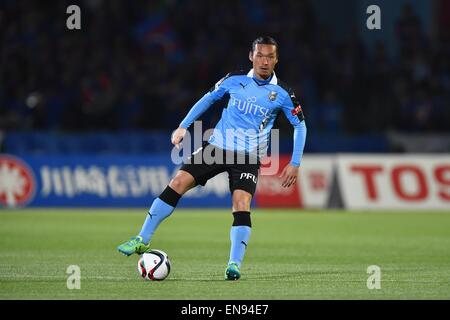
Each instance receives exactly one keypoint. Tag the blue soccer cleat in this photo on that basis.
(232, 272)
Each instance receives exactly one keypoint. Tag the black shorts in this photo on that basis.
(210, 160)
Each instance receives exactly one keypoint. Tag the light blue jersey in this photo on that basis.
(251, 111)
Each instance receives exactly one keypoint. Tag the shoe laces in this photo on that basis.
(233, 266)
(133, 241)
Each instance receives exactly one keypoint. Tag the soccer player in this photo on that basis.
(255, 99)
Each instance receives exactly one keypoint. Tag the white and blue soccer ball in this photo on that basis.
(154, 265)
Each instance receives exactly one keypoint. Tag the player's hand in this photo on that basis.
(177, 136)
(289, 176)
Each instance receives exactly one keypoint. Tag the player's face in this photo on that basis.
(264, 59)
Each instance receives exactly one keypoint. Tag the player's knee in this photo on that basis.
(241, 203)
(181, 184)
(178, 185)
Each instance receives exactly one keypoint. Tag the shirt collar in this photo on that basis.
(273, 80)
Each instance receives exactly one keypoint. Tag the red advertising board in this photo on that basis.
(270, 193)
(395, 182)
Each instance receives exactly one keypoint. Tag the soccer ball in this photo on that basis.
(154, 265)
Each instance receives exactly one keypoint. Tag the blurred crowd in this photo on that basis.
(143, 64)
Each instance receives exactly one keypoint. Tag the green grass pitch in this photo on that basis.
(292, 254)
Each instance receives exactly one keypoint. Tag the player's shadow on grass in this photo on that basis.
(218, 279)
(295, 275)
(288, 275)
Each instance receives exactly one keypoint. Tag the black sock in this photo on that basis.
(170, 196)
(242, 218)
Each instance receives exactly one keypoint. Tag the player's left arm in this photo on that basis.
(294, 113)
(214, 94)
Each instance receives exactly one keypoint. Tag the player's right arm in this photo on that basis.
(214, 94)
(294, 113)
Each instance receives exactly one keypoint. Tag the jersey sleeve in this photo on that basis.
(221, 87)
(215, 93)
(294, 113)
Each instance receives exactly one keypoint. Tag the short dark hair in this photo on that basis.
(264, 40)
